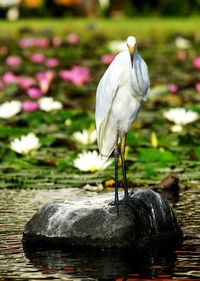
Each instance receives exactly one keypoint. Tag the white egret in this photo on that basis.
(120, 94)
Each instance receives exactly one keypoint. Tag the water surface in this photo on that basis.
(160, 262)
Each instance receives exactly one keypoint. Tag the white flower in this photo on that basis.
(8, 3)
(176, 128)
(9, 109)
(117, 46)
(85, 137)
(91, 161)
(180, 116)
(26, 144)
(48, 104)
(13, 13)
(182, 43)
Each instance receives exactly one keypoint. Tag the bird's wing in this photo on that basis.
(106, 92)
(141, 82)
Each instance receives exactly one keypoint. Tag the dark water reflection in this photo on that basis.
(159, 262)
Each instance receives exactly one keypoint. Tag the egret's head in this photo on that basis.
(131, 43)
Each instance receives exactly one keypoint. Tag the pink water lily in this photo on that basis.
(73, 38)
(25, 82)
(34, 92)
(37, 58)
(51, 62)
(107, 59)
(197, 86)
(9, 78)
(172, 88)
(56, 41)
(45, 79)
(196, 62)
(78, 75)
(13, 61)
(30, 106)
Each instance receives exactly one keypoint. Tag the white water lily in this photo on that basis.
(117, 46)
(182, 43)
(10, 109)
(48, 104)
(91, 161)
(180, 117)
(86, 136)
(26, 144)
(8, 3)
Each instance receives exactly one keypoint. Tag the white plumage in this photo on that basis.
(120, 93)
(119, 96)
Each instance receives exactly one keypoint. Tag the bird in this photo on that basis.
(120, 93)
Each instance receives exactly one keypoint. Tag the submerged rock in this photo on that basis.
(92, 222)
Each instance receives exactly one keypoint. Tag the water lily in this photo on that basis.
(182, 43)
(86, 136)
(13, 61)
(34, 92)
(107, 58)
(45, 79)
(26, 144)
(78, 75)
(91, 161)
(30, 106)
(25, 82)
(181, 55)
(56, 41)
(73, 38)
(51, 62)
(9, 78)
(196, 62)
(197, 86)
(37, 57)
(117, 46)
(48, 104)
(180, 117)
(172, 88)
(9, 109)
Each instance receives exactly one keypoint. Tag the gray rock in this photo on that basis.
(92, 222)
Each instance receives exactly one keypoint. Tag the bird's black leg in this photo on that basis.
(116, 155)
(122, 154)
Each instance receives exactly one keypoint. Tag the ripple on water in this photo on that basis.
(17, 206)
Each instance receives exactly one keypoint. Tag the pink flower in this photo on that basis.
(25, 82)
(34, 92)
(78, 75)
(51, 62)
(13, 61)
(9, 78)
(196, 62)
(45, 79)
(56, 41)
(42, 42)
(197, 86)
(26, 42)
(181, 55)
(30, 106)
(37, 58)
(172, 88)
(72, 38)
(107, 59)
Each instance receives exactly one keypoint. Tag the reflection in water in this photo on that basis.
(159, 262)
(156, 260)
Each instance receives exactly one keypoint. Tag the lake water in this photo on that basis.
(162, 262)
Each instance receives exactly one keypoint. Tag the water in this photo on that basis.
(160, 262)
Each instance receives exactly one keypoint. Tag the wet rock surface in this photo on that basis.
(93, 222)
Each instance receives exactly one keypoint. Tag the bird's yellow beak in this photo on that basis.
(131, 51)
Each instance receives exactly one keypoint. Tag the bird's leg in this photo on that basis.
(116, 155)
(122, 154)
